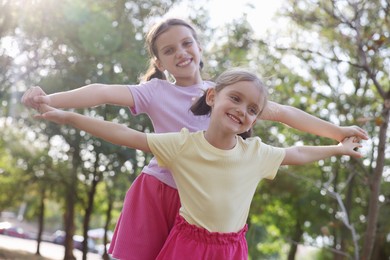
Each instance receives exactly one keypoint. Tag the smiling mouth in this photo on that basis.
(234, 118)
(184, 63)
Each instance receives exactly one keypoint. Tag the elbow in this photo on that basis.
(275, 112)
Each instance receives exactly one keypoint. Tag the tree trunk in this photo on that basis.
(70, 209)
(69, 223)
(295, 241)
(89, 209)
(375, 183)
(108, 220)
(41, 222)
(379, 251)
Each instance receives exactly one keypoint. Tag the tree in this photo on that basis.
(351, 38)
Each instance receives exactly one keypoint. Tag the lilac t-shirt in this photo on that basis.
(168, 107)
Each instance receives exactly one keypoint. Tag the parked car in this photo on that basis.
(4, 226)
(59, 238)
(8, 229)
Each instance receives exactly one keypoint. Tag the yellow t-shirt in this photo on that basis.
(215, 186)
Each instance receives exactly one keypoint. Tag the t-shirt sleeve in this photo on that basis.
(272, 159)
(143, 95)
(166, 146)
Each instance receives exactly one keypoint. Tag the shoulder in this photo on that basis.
(153, 83)
(169, 144)
(148, 88)
(183, 134)
(255, 143)
(208, 84)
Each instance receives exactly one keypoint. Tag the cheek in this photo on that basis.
(252, 119)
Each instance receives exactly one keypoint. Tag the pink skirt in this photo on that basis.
(190, 242)
(148, 215)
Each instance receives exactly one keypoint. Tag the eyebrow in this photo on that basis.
(165, 47)
(181, 40)
(239, 93)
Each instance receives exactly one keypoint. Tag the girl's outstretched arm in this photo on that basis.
(298, 155)
(112, 132)
(305, 122)
(83, 97)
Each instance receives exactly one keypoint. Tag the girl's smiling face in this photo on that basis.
(179, 53)
(235, 108)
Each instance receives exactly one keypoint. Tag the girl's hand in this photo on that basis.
(52, 114)
(348, 131)
(34, 97)
(350, 146)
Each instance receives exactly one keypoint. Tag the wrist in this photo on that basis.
(69, 117)
(337, 134)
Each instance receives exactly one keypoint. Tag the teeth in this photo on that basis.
(234, 118)
(184, 63)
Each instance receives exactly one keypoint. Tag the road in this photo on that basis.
(48, 250)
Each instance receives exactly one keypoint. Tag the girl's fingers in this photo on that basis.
(362, 133)
(29, 97)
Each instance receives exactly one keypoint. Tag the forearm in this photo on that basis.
(112, 132)
(299, 155)
(302, 121)
(90, 96)
(305, 122)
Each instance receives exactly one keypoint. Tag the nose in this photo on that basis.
(240, 111)
(180, 52)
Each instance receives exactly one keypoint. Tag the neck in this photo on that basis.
(188, 81)
(220, 141)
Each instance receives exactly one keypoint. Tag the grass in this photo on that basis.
(6, 254)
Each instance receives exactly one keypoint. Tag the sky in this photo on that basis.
(260, 17)
(222, 11)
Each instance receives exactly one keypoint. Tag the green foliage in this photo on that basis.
(9, 181)
(347, 65)
(67, 44)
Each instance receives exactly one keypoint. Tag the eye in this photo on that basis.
(235, 98)
(253, 111)
(188, 43)
(168, 51)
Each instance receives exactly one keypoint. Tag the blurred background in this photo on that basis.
(328, 58)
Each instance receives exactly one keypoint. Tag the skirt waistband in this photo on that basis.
(203, 235)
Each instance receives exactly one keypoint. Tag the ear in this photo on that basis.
(159, 65)
(210, 97)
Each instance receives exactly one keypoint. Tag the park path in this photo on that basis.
(48, 250)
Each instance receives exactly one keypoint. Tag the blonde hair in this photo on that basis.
(227, 78)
